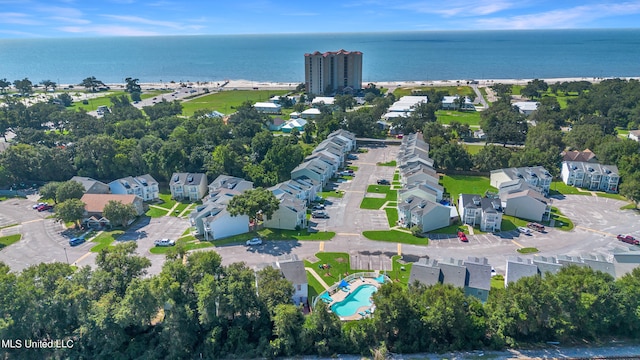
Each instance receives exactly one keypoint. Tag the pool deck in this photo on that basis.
(340, 295)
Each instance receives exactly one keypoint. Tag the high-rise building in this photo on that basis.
(333, 71)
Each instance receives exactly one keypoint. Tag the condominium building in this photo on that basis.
(333, 71)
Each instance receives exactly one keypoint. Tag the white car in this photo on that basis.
(39, 204)
(524, 230)
(254, 241)
(164, 242)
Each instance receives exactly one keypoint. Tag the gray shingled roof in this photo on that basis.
(293, 269)
(517, 268)
(454, 272)
(547, 264)
(425, 271)
(478, 273)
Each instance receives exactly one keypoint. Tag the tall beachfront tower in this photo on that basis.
(333, 71)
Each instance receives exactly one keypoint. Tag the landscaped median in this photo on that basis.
(187, 242)
(105, 239)
(375, 203)
(9, 239)
(395, 236)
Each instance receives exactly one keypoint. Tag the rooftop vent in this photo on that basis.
(476, 200)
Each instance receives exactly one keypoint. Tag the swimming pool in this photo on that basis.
(358, 298)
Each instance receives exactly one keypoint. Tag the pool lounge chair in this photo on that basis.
(345, 289)
(362, 313)
(368, 311)
(362, 278)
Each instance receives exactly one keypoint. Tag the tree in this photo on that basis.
(630, 188)
(344, 102)
(163, 108)
(24, 86)
(492, 157)
(287, 328)
(65, 99)
(132, 85)
(49, 190)
(91, 83)
(48, 84)
(69, 190)
(118, 266)
(582, 137)
(451, 156)
(503, 124)
(71, 210)
(544, 137)
(119, 213)
(4, 85)
(253, 202)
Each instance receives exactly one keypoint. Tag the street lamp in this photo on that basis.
(65, 254)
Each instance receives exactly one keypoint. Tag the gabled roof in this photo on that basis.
(425, 271)
(491, 205)
(478, 273)
(230, 182)
(187, 178)
(293, 269)
(87, 182)
(471, 201)
(526, 173)
(592, 168)
(96, 202)
(453, 272)
(547, 264)
(575, 155)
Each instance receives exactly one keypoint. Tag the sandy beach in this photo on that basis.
(241, 84)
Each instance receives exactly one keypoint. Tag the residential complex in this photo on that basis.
(333, 71)
(144, 186)
(188, 186)
(536, 176)
(473, 274)
(419, 199)
(591, 176)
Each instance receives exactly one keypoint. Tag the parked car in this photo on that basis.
(319, 214)
(535, 226)
(462, 236)
(352, 157)
(524, 230)
(76, 241)
(383, 182)
(44, 207)
(164, 242)
(318, 207)
(254, 241)
(628, 239)
(35, 206)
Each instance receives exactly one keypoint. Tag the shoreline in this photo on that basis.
(242, 84)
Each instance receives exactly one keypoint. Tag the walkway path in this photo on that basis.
(318, 277)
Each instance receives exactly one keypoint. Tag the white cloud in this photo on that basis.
(66, 12)
(18, 19)
(70, 20)
(561, 18)
(461, 7)
(107, 30)
(141, 20)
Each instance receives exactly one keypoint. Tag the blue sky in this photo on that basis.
(90, 18)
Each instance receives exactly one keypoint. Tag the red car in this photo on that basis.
(44, 207)
(628, 239)
(462, 236)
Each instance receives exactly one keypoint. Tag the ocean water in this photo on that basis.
(396, 56)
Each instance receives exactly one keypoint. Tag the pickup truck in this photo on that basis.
(628, 239)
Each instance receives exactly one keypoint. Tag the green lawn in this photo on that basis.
(497, 282)
(463, 117)
(9, 239)
(156, 213)
(181, 206)
(166, 201)
(94, 103)
(473, 149)
(392, 216)
(339, 265)
(398, 274)
(451, 90)
(512, 223)
(558, 187)
(8, 226)
(315, 288)
(395, 236)
(277, 234)
(527, 250)
(376, 203)
(332, 193)
(105, 239)
(630, 206)
(353, 168)
(396, 176)
(226, 101)
(451, 229)
(388, 163)
(462, 184)
(189, 242)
